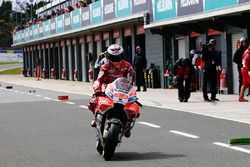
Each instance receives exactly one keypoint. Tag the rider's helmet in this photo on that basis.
(192, 52)
(115, 55)
(243, 39)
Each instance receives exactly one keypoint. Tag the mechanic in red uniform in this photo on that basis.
(115, 67)
(245, 71)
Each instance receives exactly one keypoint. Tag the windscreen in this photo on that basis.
(122, 84)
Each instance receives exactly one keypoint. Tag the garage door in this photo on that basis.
(235, 38)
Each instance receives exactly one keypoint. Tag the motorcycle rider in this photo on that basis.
(115, 67)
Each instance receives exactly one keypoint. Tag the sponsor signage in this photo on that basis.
(53, 26)
(108, 9)
(244, 1)
(164, 9)
(46, 28)
(76, 22)
(59, 24)
(122, 8)
(31, 32)
(35, 31)
(67, 22)
(139, 5)
(215, 4)
(185, 7)
(41, 30)
(96, 12)
(85, 16)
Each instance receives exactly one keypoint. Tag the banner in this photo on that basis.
(35, 31)
(53, 26)
(59, 24)
(67, 22)
(46, 28)
(96, 12)
(214, 4)
(139, 5)
(244, 1)
(41, 30)
(76, 19)
(31, 32)
(108, 9)
(26, 34)
(164, 9)
(85, 16)
(185, 7)
(122, 8)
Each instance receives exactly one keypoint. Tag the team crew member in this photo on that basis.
(245, 71)
(183, 74)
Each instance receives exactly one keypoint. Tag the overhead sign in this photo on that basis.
(215, 4)
(108, 9)
(67, 22)
(139, 5)
(76, 22)
(164, 9)
(85, 16)
(185, 7)
(122, 8)
(96, 12)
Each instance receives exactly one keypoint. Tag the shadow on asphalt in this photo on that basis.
(133, 156)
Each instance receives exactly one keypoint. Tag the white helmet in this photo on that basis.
(115, 54)
(192, 52)
(243, 39)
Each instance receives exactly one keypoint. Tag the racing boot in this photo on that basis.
(127, 134)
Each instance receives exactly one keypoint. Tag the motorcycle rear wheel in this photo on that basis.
(111, 142)
(99, 147)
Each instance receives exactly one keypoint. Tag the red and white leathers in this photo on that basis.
(245, 70)
(108, 73)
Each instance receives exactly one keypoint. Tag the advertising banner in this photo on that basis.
(31, 32)
(85, 16)
(185, 7)
(41, 30)
(164, 9)
(53, 26)
(59, 24)
(214, 4)
(108, 9)
(122, 8)
(26, 34)
(139, 5)
(35, 31)
(96, 12)
(76, 22)
(46, 28)
(67, 22)
(244, 1)
(22, 36)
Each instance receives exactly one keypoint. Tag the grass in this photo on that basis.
(5, 63)
(11, 71)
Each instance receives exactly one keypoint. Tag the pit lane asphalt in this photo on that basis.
(38, 131)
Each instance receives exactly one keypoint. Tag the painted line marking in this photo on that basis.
(232, 147)
(38, 95)
(184, 134)
(47, 98)
(149, 124)
(84, 107)
(56, 100)
(68, 102)
(16, 91)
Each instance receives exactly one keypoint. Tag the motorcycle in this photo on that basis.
(115, 113)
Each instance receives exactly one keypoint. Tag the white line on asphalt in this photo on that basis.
(56, 100)
(22, 92)
(149, 124)
(232, 147)
(47, 98)
(16, 91)
(184, 134)
(68, 102)
(84, 107)
(38, 95)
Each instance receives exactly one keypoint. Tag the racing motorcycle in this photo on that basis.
(115, 113)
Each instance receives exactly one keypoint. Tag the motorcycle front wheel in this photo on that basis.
(111, 141)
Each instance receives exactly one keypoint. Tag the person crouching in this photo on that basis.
(183, 73)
